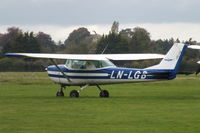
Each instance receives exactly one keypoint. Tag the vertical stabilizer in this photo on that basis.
(173, 58)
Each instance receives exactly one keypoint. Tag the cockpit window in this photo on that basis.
(89, 64)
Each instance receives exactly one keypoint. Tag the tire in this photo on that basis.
(74, 94)
(60, 94)
(104, 94)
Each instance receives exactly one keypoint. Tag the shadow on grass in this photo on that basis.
(165, 98)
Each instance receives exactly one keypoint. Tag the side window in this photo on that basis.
(77, 64)
(98, 64)
(68, 63)
(88, 64)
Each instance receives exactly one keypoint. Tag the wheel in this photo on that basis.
(74, 93)
(104, 93)
(60, 94)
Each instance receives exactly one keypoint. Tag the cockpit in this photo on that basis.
(88, 64)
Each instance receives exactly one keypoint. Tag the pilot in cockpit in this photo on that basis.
(90, 65)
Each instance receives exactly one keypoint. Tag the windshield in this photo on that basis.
(89, 64)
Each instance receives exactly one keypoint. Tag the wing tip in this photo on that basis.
(13, 54)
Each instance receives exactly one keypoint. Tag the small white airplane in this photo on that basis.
(97, 69)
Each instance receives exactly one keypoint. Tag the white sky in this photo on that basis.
(183, 31)
(163, 19)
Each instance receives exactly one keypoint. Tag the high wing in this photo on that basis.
(194, 46)
(90, 56)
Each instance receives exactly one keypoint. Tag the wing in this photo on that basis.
(194, 46)
(90, 56)
(58, 56)
(133, 56)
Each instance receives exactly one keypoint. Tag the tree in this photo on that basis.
(127, 32)
(77, 36)
(81, 41)
(114, 43)
(140, 41)
(23, 42)
(1, 42)
(46, 43)
(115, 27)
(10, 36)
(129, 40)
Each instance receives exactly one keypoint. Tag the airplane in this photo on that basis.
(97, 69)
(198, 70)
(196, 47)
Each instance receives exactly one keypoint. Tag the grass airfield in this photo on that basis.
(28, 105)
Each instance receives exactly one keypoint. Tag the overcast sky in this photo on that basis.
(180, 18)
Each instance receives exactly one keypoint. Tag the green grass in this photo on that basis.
(28, 105)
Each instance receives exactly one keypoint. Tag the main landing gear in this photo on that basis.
(103, 93)
(60, 93)
(75, 93)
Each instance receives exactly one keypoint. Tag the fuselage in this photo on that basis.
(107, 75)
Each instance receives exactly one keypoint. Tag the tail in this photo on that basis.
(173, 58)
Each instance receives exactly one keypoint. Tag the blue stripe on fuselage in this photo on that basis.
(78, 77)
(116, 73)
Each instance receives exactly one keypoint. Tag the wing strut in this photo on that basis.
(104, 49)
(60, 70)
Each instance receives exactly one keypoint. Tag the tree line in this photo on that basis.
(81, 41)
